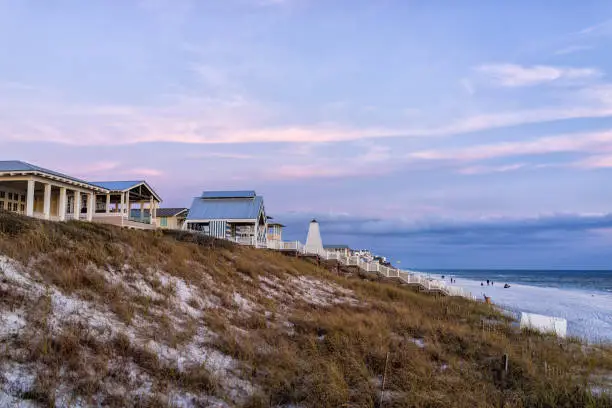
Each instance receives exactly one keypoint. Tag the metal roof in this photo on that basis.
(225, 208)
(170, 212)
(122, 186)
(272, 224)
(118, 185)
(8, 166)
(336, 247)
(229, 194)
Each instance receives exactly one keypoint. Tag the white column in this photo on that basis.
(108, 203)
(30, 199)
(142, 211)
(62, 204)
(47, 202)
(127, 205)
(91, 206)
(122, 204)
(77, 205)
(151, 212)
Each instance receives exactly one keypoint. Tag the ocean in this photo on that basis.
(584, 298)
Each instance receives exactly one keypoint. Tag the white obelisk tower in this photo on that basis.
(314, 244)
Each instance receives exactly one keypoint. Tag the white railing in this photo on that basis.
(407, 277)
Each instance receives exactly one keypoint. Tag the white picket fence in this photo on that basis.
(407, 277)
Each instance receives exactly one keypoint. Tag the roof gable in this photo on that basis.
(118, 185)
(122, 186)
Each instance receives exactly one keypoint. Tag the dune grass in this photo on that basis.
(431, 351)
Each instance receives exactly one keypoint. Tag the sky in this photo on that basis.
(472, 134)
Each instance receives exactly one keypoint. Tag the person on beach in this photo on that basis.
(481, 284)
(487, 282)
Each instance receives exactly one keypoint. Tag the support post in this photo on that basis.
(128, 208)
(152, 210)
(30, 199)
(62, 204)
(77, 205)
(91, 206)
(142, 211)
(47, 202)
(108, 203)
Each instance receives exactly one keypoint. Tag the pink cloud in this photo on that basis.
(473, 170)
(579, 142)
(597, 161)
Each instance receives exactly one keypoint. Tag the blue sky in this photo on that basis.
(443, 134)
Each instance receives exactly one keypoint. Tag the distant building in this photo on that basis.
(340, 249)
(171, 218)
(46, 194)
(235, 215)
(275, 231)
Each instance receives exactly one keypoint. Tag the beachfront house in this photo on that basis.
(46, 194)
(234, 215)
(171, 218)
(343, 250)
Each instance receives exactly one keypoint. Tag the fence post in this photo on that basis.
(384, 379)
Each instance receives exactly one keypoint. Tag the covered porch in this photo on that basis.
(131, 204)
(47, 199)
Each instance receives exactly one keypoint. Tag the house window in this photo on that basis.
(1, 205)
(163, 222)
(2, 194)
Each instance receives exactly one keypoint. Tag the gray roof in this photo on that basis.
(9, 166)
(336, 247)
(226, 205)
(229, 194)
(120, 186)
(170, 212)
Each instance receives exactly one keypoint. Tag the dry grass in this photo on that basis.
(328, 352)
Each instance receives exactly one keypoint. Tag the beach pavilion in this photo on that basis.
(116, 206)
